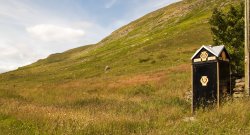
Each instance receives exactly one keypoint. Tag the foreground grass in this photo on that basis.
(158, 116)
(150, 106)
(128, 104)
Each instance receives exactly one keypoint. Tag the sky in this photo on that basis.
(33, 29)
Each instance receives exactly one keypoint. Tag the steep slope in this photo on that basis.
(149, 62)
(177, 29)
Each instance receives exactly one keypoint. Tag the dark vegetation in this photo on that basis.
(228, 29)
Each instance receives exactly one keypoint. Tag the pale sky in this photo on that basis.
(33, 29)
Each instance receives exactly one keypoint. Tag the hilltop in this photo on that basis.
(140, 93)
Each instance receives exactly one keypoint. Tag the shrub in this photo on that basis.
(228, 29)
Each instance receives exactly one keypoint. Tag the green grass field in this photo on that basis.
(142, 93)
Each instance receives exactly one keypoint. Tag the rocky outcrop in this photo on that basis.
(107, 68)
(238, 91)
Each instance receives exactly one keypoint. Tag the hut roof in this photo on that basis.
(216, 50)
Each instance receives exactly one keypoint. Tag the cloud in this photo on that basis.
(15, 54)
(49, 32)
(4, 68)
(110, 3)
(31, 30)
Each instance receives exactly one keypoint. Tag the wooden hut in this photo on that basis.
(210, 76)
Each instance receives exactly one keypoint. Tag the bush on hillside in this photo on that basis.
(228, 28)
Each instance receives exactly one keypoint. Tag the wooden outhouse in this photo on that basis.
(210, 76)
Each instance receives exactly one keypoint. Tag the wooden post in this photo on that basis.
(218, 86)
(192, 89)
(247, 47)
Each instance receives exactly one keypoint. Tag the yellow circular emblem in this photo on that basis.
(204, 80)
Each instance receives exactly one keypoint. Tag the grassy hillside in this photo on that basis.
(141, 93)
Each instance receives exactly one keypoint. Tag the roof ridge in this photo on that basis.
(211, 49)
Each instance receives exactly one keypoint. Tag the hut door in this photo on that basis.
(204, 83)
